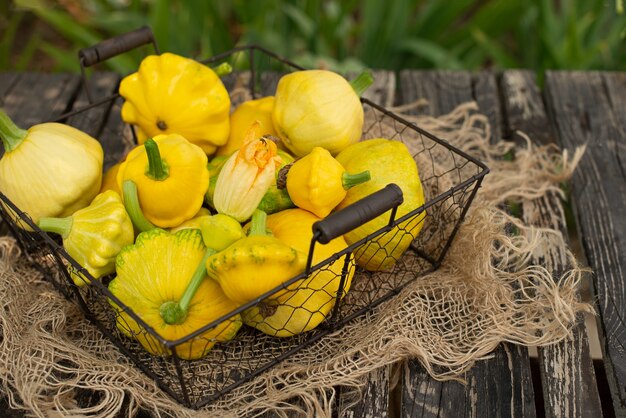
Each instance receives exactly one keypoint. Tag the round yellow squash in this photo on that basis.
(388, 162)
(307, 302)
(316, 108)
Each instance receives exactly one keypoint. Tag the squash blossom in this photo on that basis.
(162, 278)
(93, 236)
(246, 176)
(274, 200)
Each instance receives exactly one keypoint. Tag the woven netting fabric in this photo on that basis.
(487, 291)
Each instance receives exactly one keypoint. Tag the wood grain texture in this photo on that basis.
(372, 401)
(587, 110)
(523, 107)
(485, 92)
(567, 374)
(502, 385)
(491, 390)
(36, 97)
(101, 85)
(7, 81)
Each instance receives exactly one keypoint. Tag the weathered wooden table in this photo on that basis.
(573, 108)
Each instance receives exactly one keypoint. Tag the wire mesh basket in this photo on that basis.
(330, 292)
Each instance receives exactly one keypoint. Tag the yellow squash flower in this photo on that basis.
(246, 176)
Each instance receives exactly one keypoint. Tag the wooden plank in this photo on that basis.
(7, 81)
(372, 401)
(485, 91)
(587, 111)
(491, 390)
(502, 385)
(523, 107)
(567, 375)
(90, 120)
(37, 97)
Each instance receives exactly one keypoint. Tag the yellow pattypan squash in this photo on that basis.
(308, 301)
(317, 182)
(255, 264)
(174, 94)
(49, 170)
(93, 236)
(171, 178)
(162, 279)
(388, 162)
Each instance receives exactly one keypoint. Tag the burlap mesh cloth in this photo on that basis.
(486, 292)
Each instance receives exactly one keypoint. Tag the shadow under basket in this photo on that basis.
(450, 180)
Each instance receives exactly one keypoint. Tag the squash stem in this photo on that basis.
(223, 69)
(257, 223)
(10, 134)
(362, 82)
(175, 313)
(131, 203)
(157, 169)
(351, 180)
(61, 226)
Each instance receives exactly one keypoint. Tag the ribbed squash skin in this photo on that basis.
(308, 302)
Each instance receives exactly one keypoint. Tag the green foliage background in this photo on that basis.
(341, 35)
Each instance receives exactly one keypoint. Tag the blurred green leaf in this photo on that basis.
(440, 57)
(6, 42)
(28, 53)
(305, 25)
(64, 60)
(535, 34)
(494, 51)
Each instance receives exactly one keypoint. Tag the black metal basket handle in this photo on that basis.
(114, 46)
(358, 213)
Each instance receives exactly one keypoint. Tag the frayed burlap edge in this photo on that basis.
(449, 319)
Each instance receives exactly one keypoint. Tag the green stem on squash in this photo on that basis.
(61, 226)
(223, 69)
(362, 82)
(174, 313)
(10, 134)
(157, 169)
(257, 223)
(351, 180)
(131, 203)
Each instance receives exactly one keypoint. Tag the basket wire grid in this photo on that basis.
(347, 291)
